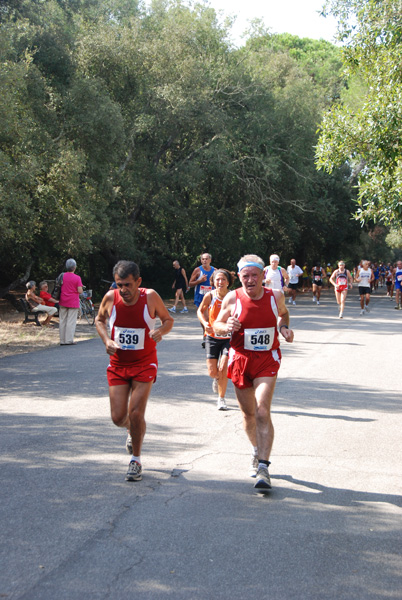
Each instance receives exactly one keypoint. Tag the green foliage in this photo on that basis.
(143, 135)
(366, 132)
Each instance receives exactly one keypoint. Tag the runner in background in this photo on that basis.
(180, 284)
(294, 272)
(397, 276)
(365, 279)
(200, 280)
(389, 281)
(341, 279)
(217, 347)
(317, 276)
(275, 277)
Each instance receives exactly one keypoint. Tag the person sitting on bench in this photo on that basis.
(37, 304)
(44, 294)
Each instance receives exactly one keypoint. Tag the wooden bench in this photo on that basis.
(31, 317)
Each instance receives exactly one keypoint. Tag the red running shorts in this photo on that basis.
(242, 370)
(123, 375)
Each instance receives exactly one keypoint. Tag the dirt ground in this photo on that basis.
(19, 338)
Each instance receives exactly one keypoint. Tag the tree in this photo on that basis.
(146, 136)
(368, 134)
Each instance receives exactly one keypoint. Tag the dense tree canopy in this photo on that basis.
(367, 131)
(142, 134)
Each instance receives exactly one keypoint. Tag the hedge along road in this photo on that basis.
(72, 528)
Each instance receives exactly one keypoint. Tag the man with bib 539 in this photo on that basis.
(132, 312)
(254, 315)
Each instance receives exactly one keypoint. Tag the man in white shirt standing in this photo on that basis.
(294, 272)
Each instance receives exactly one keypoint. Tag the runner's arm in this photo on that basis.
(332, 278)
(158, 309)
(202, 311)
(285, 276)
(101, 322)
(266, 279)
(194, 277)
(225, 322)
(284, 317)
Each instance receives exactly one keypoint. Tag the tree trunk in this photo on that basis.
(5, 291)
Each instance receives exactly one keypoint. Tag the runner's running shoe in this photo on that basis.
(134, 472)
(222, 404)
(263, 480)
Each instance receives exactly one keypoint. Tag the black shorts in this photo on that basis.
(388, 283)
(216, 347)
(364, 290)
(319, 283)
(293, 286)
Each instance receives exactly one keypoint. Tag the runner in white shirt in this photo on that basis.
(364, 279)
(294, 272)
(275, 277)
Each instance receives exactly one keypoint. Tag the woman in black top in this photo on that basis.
(180, 284)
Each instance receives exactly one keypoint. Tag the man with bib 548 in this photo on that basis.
(254, 315)
(132, 312)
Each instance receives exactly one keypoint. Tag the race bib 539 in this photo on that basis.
(129, 339)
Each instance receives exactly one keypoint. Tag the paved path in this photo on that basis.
(72, 528)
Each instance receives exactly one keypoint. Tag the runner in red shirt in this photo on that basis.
(341, 279)
(132, 313)
(254, 315)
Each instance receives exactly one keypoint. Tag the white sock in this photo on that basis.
(255, 450)
(136, 458)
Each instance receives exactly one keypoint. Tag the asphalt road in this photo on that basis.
(72, 528)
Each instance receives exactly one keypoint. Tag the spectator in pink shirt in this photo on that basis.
(71, 289)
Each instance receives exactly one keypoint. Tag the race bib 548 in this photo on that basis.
(259, 339)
